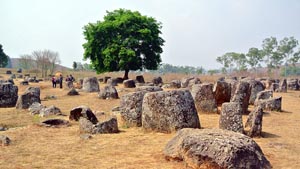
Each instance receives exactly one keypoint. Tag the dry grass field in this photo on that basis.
(41, 147)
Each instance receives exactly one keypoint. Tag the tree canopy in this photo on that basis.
(124, 40)
(3, 57)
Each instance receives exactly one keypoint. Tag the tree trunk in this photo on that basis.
(126, 74)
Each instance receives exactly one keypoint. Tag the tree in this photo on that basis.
(226, 61)
(125, 40)
(233, 60)
(74, 65)
(254, 57)
(26, 61)
(286, 49)
(46, 60)
(270, 52)
(3, 57)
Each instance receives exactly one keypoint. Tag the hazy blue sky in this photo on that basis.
(196, 31)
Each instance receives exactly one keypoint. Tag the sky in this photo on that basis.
(196, 31)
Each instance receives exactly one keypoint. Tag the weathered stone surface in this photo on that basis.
(215, 148)
(231, 117)
(175, 84)
(149, 88)
(222, 91)
(268, 83)
(157, 81)
(283, 86)
(108, 126)
(272, 104)
(72, 92)
(106, 78)
(204, 97)
(51, 110)
(112, 82)
(90, 84)
(35, 108)
(255, 87)
(242, 95)
(8, 72)
(108, 92)
(83, 111)
(8, 95)
(189, 81)
(254, 122)
(20, 76)
(233, 86)
(293, 84)
(266, 94)
(131, 108)
(274, 87)
(168, 111)
(55, 123)
(31, 95)
(140, 79)
(2, 128)
(129, 83)
(24, 83)
(19, 70)
(13, 76)
(4, 140)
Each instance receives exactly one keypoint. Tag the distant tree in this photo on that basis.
(46, 60)
(74, 65)
(232, 60)
(286, 49)
(254, 58)
(125, 40)
(226, 61)
(273, 58)
(212, 71)
(26, 62)
(3, 57)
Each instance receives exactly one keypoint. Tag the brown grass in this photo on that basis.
(40, 147)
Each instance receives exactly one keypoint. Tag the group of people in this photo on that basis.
(59, 80)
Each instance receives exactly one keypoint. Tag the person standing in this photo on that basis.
(54, 82)
(60, 81)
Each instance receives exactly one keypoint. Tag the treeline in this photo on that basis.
(272, 54)
(168, 68)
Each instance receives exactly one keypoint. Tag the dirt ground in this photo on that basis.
(33, 146)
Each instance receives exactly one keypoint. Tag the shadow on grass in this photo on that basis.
(269, 135)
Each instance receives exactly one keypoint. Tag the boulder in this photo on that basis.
(268, 83)
(129, 83)
(254, 122)
(90, 84)
(215, 148)
(204, 97)
(157, 81)
(112, 82)
(8, 72)
(149, 88)
(233, 86)
(168, 111)
(31, 95)
(283, 86)
(13, 76)
(24, 83)
(83, 111)
(20, 76)
(35, 108)
(293, 84)
(189, 82)
(108, 126)
(55, 123)
(266, 94)
(255, 87)
(131, 108)
(19, 70)
(2, 128)
(175, 84)
(242, 95)
(274, 87)
(231, 117)
(4, 140)
(222, 91)
(72, 92)
(8, 94)
(106, 78)
(51, 110)
(140, 79)
(108, 92)
(272, 104)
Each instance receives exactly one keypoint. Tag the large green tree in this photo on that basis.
(3, 57)
(232, 60)
(273, 58)
(124, 40)
(254, 58)
(286, 49)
